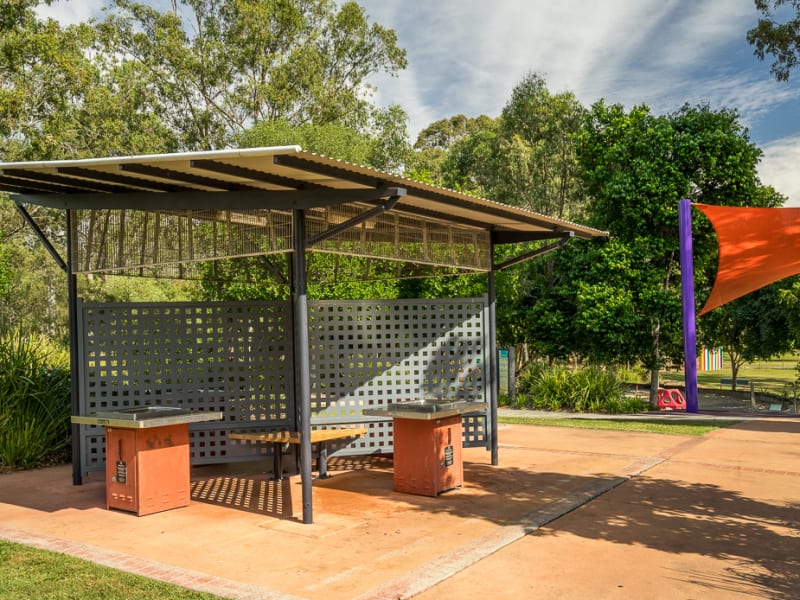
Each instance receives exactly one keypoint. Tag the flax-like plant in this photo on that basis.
(590, 389)
(34, 401)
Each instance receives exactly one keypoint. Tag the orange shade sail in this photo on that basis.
(757, 246)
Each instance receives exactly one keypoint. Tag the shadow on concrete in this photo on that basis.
(260, 495)
(51, 490)
(502, 495)
(762, 538)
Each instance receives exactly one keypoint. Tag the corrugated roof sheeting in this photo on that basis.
(142, 211)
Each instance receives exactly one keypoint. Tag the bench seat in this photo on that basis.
(729, 381)
(318, 436)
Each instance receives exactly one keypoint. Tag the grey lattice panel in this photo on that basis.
(368, 354)
(473, 428)
(230, 357)
(238, 358)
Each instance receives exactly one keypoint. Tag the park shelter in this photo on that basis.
(275, 365)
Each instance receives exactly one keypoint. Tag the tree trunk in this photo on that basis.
(654, 388)
(656, 364)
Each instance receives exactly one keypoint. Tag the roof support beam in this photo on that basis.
(172, 175)
(42, 237)
(215, 166)
(514, 237)
(242, 200)
(125, 182)
(60, 182)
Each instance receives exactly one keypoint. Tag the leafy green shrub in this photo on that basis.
(592, 389)
(637, 374)
(34, 401)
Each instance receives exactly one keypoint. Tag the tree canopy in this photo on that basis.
(781, 39)
(619, 300)
(219, 67)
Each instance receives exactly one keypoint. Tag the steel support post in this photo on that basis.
(302, 361)
(72, 307)
(493, 363)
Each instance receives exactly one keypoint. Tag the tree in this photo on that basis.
(526, 157)
(470, 164)
(538, 168)
(385, 147)
(36, 291)
(60, 98)
(754, 327)
(781, 40)
(438, 141)
(636, 167)
(218, 68)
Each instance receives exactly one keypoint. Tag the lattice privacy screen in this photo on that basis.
(238, 358)
(401, 237)
(183, 244)
(163, 243)
(366, 354)
(229, 357)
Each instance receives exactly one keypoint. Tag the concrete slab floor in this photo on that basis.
(568, 513)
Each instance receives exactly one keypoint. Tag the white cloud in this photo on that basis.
(780, 168)
(467, 57)
(70, 12)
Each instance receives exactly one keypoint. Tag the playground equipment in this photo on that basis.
(670, 399)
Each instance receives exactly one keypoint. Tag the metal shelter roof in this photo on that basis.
(257, 201)
(264, 178)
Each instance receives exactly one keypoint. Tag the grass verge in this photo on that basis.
(32, 573)
(639, 425)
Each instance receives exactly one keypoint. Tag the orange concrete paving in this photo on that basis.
(569, 513)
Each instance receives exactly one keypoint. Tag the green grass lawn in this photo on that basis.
(775, 376)
(31, 573)
(640, 425)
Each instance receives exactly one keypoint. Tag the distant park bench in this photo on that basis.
(729, 382)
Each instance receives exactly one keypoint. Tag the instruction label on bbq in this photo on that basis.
(448, 456)
(122, 472)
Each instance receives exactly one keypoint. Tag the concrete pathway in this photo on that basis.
(569, 513)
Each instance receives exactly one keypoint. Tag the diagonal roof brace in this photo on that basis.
(394, 193)
(42, 237)
(533, 254)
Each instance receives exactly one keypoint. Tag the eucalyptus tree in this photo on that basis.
(779, 38)
(525, 157)
(219, 67)
(537, 166)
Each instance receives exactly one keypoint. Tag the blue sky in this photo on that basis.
(465, 57)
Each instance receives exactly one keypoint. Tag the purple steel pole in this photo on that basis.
(687, 296)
